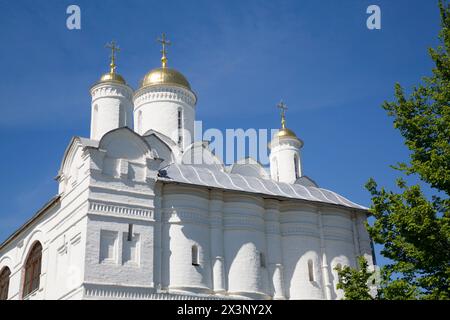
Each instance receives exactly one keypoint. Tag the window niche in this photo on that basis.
(130, 247)
(108, 246)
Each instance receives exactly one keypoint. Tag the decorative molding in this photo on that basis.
(105, 208)
(108, 90)
(101, 291)
(159, 93)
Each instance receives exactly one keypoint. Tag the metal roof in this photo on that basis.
(204, 176)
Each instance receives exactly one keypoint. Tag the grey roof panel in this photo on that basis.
(205, 176)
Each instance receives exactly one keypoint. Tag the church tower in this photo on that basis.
(285, 161)
(112, 104)
(165, 103)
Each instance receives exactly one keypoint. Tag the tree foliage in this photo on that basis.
(415, 229)
(355, 282)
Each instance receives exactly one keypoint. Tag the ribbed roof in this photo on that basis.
(203, 176)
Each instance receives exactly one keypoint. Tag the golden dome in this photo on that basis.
(285, 132)
(165, 75)
(112, 77)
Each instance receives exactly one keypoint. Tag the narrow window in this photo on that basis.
(311, 270)
(33, 270)
(4, 283)
(262, 260)
(275, 165)
(94, 121)
(297, 173)
(139, 124)
(195, 256)
(180, 120)
(130, 232)
(122, 116)
(180, 126)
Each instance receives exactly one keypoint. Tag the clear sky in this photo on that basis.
(241, 58)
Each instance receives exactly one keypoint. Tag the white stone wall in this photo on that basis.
(156, 108)
(112, 108)
(249, 246)
(285, 152)
(62, 234)
(185, 216)
(292, 238)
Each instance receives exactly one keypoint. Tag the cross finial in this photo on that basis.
(164, 42)
(114, 49)
(283, 107)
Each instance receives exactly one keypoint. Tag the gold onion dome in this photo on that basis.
(284, 132)
(112, 76)
(164, 75)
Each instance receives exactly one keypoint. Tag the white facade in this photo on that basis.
(285, 161)
(132, 221)
(112, 108)
(167, 109)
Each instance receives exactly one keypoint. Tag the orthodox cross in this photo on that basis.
(114, 49)
(283, 107)
(164, 42)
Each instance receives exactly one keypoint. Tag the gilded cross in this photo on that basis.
(283, 107)
(114, 49)
(164, 42)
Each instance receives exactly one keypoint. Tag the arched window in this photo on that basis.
(297, 171)
(4, 283)
(32, 269)
(195, 259)
(311, 270)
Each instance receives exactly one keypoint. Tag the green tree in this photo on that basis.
(355, 282)
(415, 229)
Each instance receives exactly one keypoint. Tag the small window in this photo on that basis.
(275, 167)
(94, 121)
(195, 259)
(180, 126)
(122, 116)
(4, 283)
(262, 260)
(297, 171)
(311, 270)
(130, 232)
(180, 119)
(33, 270)
(139, 124)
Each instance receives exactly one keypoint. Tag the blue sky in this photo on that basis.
(241, 58)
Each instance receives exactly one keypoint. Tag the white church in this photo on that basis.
(134, 218)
